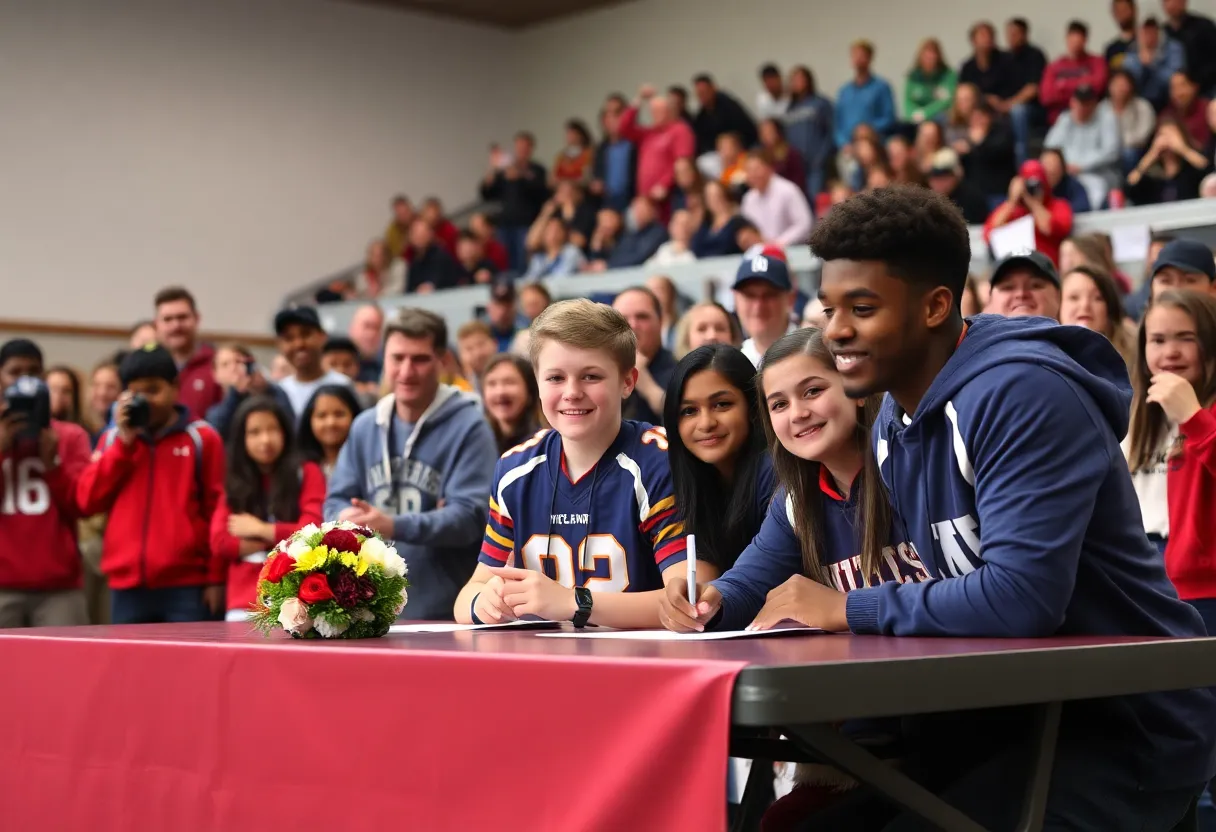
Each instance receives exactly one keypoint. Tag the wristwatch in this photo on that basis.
(582, 597)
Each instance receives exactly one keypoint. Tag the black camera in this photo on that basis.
(30, 399)
(139, 412)
(1034, 187)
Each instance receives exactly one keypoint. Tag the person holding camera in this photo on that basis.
(159, 475)
(238, 374)
(1030, 195)
(40, 461)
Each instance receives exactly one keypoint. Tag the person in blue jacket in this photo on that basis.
(998, 441)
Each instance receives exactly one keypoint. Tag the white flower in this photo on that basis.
(374, 550)
(329, 630)
(405, 597)
(297, 548)
(394, 565)
(362, 614)
(293, 615)
(307, 531)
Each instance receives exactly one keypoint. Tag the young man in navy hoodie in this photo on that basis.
(999, 444)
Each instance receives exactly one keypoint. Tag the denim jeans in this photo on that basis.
(158, 606)
(514, 238)
(1020, 115)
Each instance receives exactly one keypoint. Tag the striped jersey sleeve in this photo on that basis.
(657, 501)
(498, 543)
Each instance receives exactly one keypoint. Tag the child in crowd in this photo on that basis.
(268, 494)
(1026, 532)
(325, 425)
(104, 387)
(1183, 264)
(159, 476)
(40, 565)
(720, 469)
(1172, 447)
(475, 345)
(302, 342)
(512, 400)
(582, 521)
(64, 385)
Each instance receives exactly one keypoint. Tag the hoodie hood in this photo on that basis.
(1085, 358)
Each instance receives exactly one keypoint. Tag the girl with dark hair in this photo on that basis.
(829, 522)
(268, 494)
(1171, 448)
(573, 162)
(787, 161)
(512, 400)
(722, 475)
(325, 424)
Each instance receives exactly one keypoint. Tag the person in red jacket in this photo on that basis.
(1066, 73)
(40, 568)
(159, 475)
(667, 139)
(177, 328)
(269, 494)
(1030, 194)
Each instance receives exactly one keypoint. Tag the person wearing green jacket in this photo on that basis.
(929, 88)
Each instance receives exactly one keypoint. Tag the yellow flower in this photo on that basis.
(361, 569)
(313, 559)
(348, 559)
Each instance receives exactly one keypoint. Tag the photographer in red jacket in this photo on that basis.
(39, 466)
(159, 476)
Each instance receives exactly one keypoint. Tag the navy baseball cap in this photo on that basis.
(302, 315)
(1035, 261)
(1187, 255)
(763, 267)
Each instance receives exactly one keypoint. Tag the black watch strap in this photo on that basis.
(582, 597)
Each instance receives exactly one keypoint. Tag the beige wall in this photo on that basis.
(241, 147)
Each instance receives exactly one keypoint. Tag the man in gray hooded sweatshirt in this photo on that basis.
(418, 467)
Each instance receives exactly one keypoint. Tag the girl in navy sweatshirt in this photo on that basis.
(1174, 421)
(828, 482)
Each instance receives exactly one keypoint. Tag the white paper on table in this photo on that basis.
(667, 635)
(460, 628)
(1129, 243)
(1016, 237)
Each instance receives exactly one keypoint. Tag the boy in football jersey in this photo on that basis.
(582, 517)
(998, 441)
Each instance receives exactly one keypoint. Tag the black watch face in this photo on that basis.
(582, 596)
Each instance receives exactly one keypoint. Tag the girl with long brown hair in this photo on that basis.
(1171, 448)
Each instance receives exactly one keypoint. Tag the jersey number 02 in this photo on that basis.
(602, 556)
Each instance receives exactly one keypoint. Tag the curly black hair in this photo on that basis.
(920, 236)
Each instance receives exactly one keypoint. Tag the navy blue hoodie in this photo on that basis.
(1010, 482)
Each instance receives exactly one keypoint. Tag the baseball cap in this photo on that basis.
(302, 315)
(944, 163)
(1035, 261)
(503, 291)
(764, 267)
(152, 361)
(1085, 92)
(1187, 255)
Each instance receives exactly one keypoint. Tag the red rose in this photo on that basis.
(315, 588)
(277, 567)
(340, 540)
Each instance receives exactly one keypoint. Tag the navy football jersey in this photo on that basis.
(615, 530)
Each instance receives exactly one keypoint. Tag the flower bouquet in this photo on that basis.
(336, 581)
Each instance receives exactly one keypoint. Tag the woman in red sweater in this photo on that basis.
(269, 494)
(1175, 387)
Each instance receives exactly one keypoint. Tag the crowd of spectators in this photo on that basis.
(673, 177)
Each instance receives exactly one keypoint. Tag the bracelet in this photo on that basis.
(473, 610)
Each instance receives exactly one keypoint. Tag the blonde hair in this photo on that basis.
(585, 325)
(684, 328)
